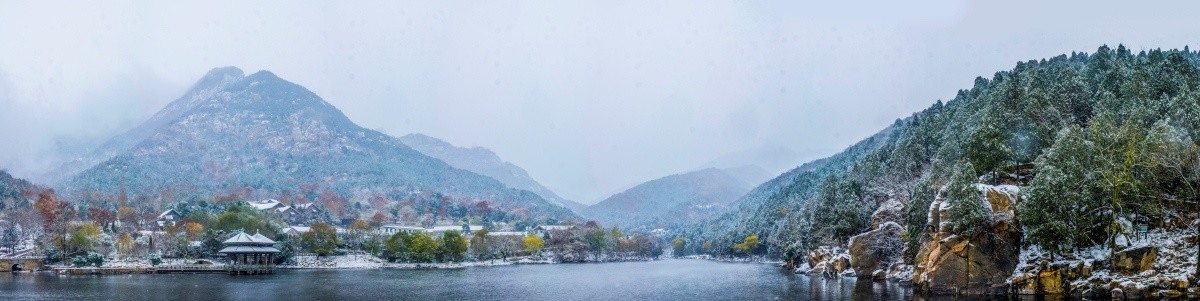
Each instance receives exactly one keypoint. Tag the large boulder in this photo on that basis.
(828, 261)
(876, 250)
(1134, 260)
(1048, 278)
(948, 263)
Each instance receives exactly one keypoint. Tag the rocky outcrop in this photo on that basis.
(876, 250)
(1049, 279)
(875, 253)
(827, 261)
(890, 211)
(1134, 260)
(1161, 264)
(948, 263)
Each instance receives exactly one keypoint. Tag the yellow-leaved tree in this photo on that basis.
(533, 244)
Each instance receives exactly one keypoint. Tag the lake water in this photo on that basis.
(674, 279)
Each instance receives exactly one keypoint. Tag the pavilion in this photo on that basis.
(249, 254)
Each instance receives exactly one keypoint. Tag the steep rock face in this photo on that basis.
(876, 250)
(977, 264)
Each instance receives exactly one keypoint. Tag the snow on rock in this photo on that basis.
(827, 261)
(902, 273)
(876, 249)
(891, 211)
(1160, 263)
(948, 263)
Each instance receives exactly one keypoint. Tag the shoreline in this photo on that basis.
(344, 262)
(761, 260)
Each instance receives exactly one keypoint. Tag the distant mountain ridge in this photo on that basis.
(759, 208)
(750, 174)
(231, 131)
(485, 162)
(205, 88)
(672, 199)
(16, 188)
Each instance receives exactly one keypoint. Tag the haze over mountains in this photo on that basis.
(485, 162)
(676, 198)
(259, 135)
(256, 135)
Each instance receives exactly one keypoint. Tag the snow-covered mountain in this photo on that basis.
(751, 174)
(232, 132)
(485, 162)
(680, 198)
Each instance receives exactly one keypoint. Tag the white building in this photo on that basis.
(548, 231)
(508, 233)
(465, 230)
(394, 228)
(295, 230)
(266, 204)
(168, 218)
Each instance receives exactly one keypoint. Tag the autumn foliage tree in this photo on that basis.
(321, 239)
(482, 244)
(82, 238)
(533, 244)
(102, 217)
(677, 245)
(357, 232)
(55, 215)
(747, 246)
(378, 220)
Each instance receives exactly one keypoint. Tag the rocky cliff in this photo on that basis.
(981, 263)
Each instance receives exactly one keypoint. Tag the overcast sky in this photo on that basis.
(589, 97)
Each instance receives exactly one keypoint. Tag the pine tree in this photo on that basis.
(924, 193)
(968, 212)
(988, 147)
(1059, 209)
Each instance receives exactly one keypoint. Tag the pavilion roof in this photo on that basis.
(245, 239)
(248, 249)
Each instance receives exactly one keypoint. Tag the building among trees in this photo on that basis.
(249, 254)
(168, 218)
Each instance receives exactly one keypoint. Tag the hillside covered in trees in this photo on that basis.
(1110, 135)
(671, 199)
(259, 136)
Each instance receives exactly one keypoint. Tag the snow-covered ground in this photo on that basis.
(755, 259)
(372, 262)
(335, 262)
(1090, 269)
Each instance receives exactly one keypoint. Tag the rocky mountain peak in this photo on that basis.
(216, 78)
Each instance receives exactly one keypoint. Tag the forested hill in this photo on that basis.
(1109, 133)
(679, 198)
(259, 136)
(762, 206)
(485, 162)
(16, 191)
